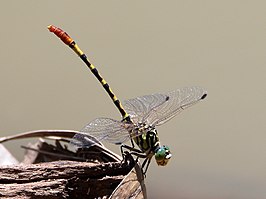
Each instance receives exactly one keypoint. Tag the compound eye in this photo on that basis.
(160, 154)
(167, 153)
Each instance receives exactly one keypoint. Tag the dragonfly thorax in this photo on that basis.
(146, 137)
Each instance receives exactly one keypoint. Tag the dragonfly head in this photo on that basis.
(162, 155)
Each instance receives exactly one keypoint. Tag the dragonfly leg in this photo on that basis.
(132, 143)
(139, 154)
(132, 149)
(146, 162)
(128, 159)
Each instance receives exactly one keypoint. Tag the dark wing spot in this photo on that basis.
(203, 96)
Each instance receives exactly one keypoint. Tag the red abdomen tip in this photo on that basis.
(61, 34)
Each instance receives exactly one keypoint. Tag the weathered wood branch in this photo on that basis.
(62, 178)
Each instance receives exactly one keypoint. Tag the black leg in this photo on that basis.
(130, 149)
(147, 165)
(139, 154)
(132, 143)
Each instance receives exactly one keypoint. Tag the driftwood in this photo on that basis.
(54, 171)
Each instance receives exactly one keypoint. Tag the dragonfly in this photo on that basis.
(140, 116)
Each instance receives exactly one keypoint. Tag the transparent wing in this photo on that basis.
(83, 140)
(177, 101)
(139, 107)
(102, 129)
(157, 109)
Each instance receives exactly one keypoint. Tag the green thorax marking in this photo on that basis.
(148, 140)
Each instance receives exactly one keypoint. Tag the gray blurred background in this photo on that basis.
(143, 47)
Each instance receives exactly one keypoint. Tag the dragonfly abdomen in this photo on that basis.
(72, 44)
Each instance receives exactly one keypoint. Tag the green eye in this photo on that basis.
(162, 155)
